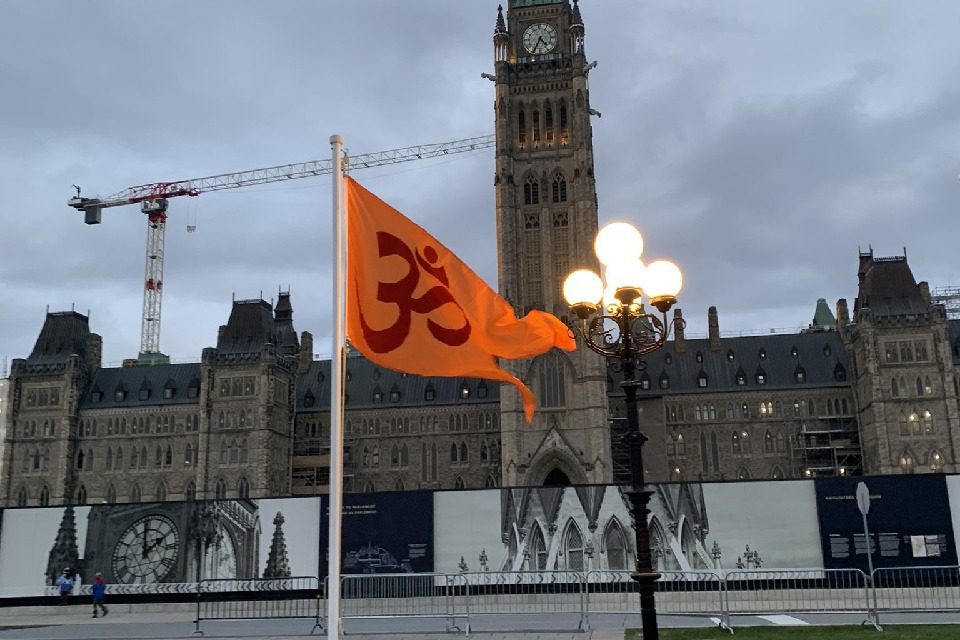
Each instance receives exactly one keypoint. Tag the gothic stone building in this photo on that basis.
(875, 393)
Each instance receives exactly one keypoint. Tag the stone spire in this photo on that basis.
(278, 565)
(501, 28)
(64, 554)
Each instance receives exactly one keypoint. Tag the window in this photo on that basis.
(894, 388)
(906, 462)
(377, 395)
(800, 375)
(458, 483)
(220, 490)
(777, 473)
(464, 391)
(927, 422)
(920, 350)
(795, 353)
(548, 124)
(190, 492)
(762, 354)
(827, 352)
(664, 381)
(188, 455)
(681, 446)
(369, 487)
(482, 390)
(573, 548)
(702, 379)
(552, 381)
(44, 499)
(454, 453)
(535, 128)
(699, 357)
(144, 394)
(559, 189)
(531, 191)
(936, 462)
(616, 547)
(735, 442)
(119, 395)
(430, 393)
(644, 381)
(522, 127)
(742, 378)
(730, 355)
(768, 442)
(743, 474)
(168, 392)
(927, 387)
(135, 493)
(463, 452)
(564, 131)
(161, 495)
(903, 424)
(243, 488)
(111, 494)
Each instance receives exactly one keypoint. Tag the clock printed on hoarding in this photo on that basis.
(146, 551)
(539, 38)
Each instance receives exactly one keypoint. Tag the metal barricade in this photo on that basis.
(400, 595)
(916, 589)
(259, 599)
(767, 592)
(694, 593)
(523, 592)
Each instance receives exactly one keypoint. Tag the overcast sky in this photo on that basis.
(758, 144)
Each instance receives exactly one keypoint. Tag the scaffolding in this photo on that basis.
(949, 297)
(829, 446)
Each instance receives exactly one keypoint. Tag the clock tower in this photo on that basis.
(546, 203)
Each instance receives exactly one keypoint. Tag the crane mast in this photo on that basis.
(153, 200)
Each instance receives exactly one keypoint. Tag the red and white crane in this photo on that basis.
(153, 201)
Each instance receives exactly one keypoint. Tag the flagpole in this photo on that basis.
(336, 402)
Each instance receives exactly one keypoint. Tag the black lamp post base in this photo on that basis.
(645, 576)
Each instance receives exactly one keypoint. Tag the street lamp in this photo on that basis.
(612, 321)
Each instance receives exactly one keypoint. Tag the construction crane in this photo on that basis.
(153, 201)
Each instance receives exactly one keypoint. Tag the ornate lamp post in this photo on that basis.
(612, 321)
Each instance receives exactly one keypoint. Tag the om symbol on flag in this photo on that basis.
(401, 293)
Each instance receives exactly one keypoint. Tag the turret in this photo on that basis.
(501, 39)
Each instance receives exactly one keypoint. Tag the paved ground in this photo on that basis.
(162, 622)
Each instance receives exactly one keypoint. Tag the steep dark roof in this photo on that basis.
(823, 317)
(364, 379)
(153, 379)
(250, 327)
(64, 333)
(283, 321)
(818, 355)
(887, 287)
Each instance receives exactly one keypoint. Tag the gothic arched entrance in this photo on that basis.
(556, 478)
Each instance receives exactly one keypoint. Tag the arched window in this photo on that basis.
(904, 424)
(777, 473)
(681, 445)
(234, 452)
(573, 547)
(82, 495)
(743, 473)
(531, 191)
(453, 452)
(369, 487)
(781, 442)
(244, 451)
(134, 456)
(552, 381)
(404, 456)
(914, 419)
(168, 456)
(158, 458)
(111, 494)
(458, 483)
(559, 188)
(697, 416)
(907, 462)
(714, 451)
(135, 493)
(490, 482)
(538, 549)
(483, 452)
(190, 492)
(22, 497)
(143, 457)
(713, 412)
(220, 490)
(463, 451)
(161, 495)
(243, 488)
(616, 547)
(535, 126)
(564, 129)
(927, 387)
(919, 386)
(927, 418)
(44, 499)
(936, 461)
(548, 124)
(395, 456)
(376, 457)
(704, 453)
(223, 452)
(188, 454)
(735, 442)
(768, 442)
(398, 485)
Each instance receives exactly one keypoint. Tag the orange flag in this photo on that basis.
(413, 306)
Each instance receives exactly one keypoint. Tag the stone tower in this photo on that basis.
(546, 205)
(900, 346)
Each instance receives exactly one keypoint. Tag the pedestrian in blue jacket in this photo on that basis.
(98, 589)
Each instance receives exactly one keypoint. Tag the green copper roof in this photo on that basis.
(822, 317)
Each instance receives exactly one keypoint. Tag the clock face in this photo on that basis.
(220, 558)
(146, 551)
(539, 38)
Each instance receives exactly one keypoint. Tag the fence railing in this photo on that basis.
(259, 599)
(571, 597)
